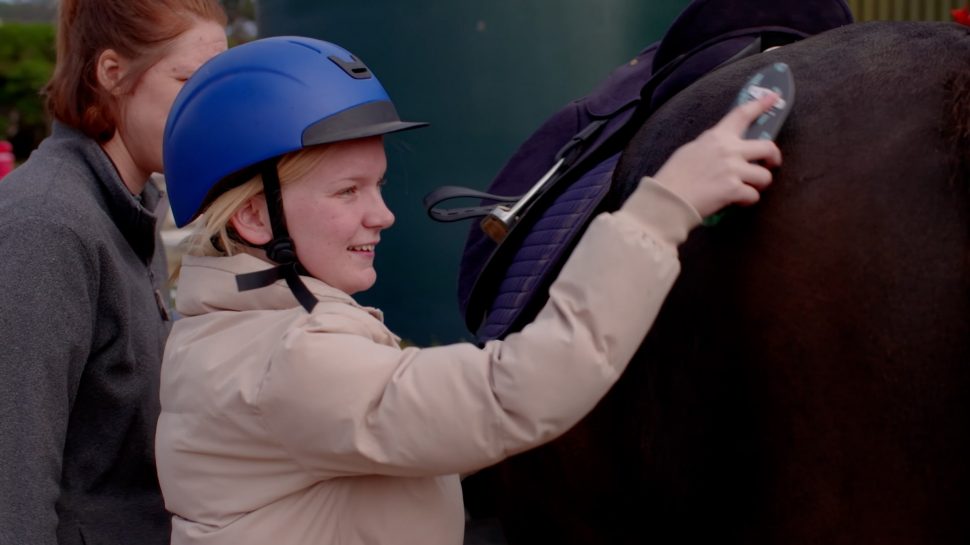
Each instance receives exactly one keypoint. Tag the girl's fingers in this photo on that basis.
(720, 167)
(746, 195)
(755, 175)
(761, 150)
(737, 120)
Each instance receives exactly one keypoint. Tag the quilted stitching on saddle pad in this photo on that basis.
(541, 252)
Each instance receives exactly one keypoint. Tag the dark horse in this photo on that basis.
(808, 380)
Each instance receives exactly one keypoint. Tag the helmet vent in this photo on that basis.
(306, 45)
(354, 67)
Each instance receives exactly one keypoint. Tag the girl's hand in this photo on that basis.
(720, 167)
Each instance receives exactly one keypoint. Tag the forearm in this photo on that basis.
(458, 408)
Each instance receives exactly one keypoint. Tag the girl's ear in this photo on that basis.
(110, 70)
(251, 221)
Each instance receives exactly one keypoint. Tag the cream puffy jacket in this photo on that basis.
(280, 427)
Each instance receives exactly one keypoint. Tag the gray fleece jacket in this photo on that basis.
(81, 336)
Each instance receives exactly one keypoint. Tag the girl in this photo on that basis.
(290, 415)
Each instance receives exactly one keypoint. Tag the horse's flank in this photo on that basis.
(808, 378)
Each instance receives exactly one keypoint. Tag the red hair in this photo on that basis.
(139, 30)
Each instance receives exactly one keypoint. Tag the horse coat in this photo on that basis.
(807, 380)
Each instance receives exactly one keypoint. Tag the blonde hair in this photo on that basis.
(214, 235)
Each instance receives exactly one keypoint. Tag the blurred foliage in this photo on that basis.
(27, 57)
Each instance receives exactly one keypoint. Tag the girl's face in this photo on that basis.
(335, 214)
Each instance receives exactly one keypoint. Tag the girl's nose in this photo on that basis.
(379, 216)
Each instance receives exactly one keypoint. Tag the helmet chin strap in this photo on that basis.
(281, 249)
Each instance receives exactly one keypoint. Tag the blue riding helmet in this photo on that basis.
(259, 101)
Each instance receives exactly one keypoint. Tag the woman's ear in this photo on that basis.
(251, 221)
(110, 70)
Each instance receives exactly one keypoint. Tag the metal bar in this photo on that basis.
(501, 219)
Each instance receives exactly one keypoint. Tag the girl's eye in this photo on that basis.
(381, 183)
(352, 190)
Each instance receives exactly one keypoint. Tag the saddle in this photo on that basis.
(512, 257)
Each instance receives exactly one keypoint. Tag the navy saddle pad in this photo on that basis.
(536, 262)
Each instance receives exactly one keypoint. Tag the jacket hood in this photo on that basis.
(208, 284)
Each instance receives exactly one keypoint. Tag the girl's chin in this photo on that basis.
(361, 285)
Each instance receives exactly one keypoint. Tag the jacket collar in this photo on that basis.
(208, 284)
(131, 214)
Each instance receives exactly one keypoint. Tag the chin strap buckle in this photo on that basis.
(281, 250)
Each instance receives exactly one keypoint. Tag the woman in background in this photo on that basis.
(82, 325)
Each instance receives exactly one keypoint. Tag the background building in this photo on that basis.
(485, 74)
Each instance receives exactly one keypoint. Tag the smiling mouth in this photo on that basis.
(362, 248)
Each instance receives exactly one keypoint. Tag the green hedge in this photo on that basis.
(27, 55)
